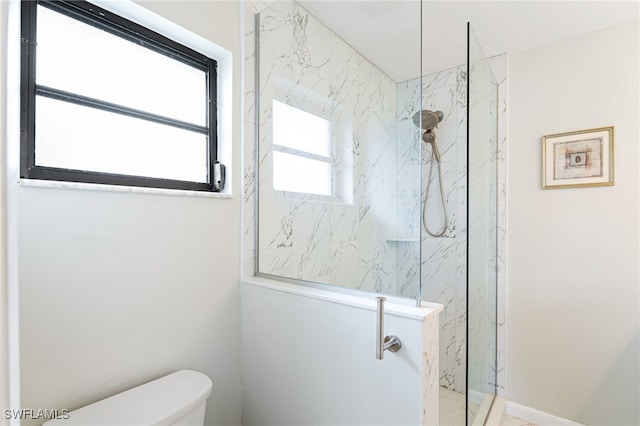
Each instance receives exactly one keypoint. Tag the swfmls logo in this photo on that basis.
(36, 414)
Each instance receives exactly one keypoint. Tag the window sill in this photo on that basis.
(119, 188)
(292, 195)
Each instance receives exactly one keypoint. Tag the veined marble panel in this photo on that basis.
(346, 240)
(443, 263)
(431, 403)
(443, 260)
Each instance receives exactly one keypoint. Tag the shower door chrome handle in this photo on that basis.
(383, 342)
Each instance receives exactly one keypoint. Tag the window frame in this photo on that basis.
(117, 25)
(305, 155)
(301, 153)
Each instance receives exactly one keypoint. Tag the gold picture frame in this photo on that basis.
(578, 159)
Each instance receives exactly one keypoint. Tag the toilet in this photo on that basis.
(177, 399)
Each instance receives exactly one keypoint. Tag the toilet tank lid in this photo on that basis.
(159, 402)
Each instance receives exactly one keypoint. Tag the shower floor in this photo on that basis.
(451, 408)
(452, 411)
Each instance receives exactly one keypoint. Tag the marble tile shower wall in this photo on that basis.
(499, 66)
(341, 241)
(443, 262)
(443, 259)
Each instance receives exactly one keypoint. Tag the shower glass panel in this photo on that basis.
(338, 154)
(481, 239)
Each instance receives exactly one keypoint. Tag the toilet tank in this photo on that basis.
(177, 399)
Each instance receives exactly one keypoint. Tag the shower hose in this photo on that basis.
(435, 158)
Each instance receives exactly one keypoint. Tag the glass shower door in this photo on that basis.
(482, 138)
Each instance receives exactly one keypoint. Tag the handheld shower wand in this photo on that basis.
(428, 121)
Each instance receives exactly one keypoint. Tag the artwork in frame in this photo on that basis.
(578, 159)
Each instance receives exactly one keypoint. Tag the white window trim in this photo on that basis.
(289, 93)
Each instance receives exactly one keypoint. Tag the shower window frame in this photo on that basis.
(301, 153)
(145, 38)
(338, 116)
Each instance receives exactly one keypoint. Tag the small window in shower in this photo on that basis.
(301, 151)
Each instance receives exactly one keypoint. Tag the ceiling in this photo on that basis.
(387, 32)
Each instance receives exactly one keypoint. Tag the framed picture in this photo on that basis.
(578, 159)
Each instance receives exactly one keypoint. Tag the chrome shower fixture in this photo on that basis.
(427, 120)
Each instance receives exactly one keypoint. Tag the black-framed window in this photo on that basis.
(105, 100)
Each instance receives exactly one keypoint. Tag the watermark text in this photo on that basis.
(35, 414)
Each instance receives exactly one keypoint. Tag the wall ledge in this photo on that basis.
(395, 306)
(82, 186)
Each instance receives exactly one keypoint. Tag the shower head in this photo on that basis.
(429, 137)
(427, 120)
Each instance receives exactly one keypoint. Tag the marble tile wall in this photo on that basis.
(430, 360)
(349, 240)
(443, 259)
(499, 66)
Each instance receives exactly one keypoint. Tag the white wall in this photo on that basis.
(309, 358)
(120, 288)
(573, 280)
(4, 252)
